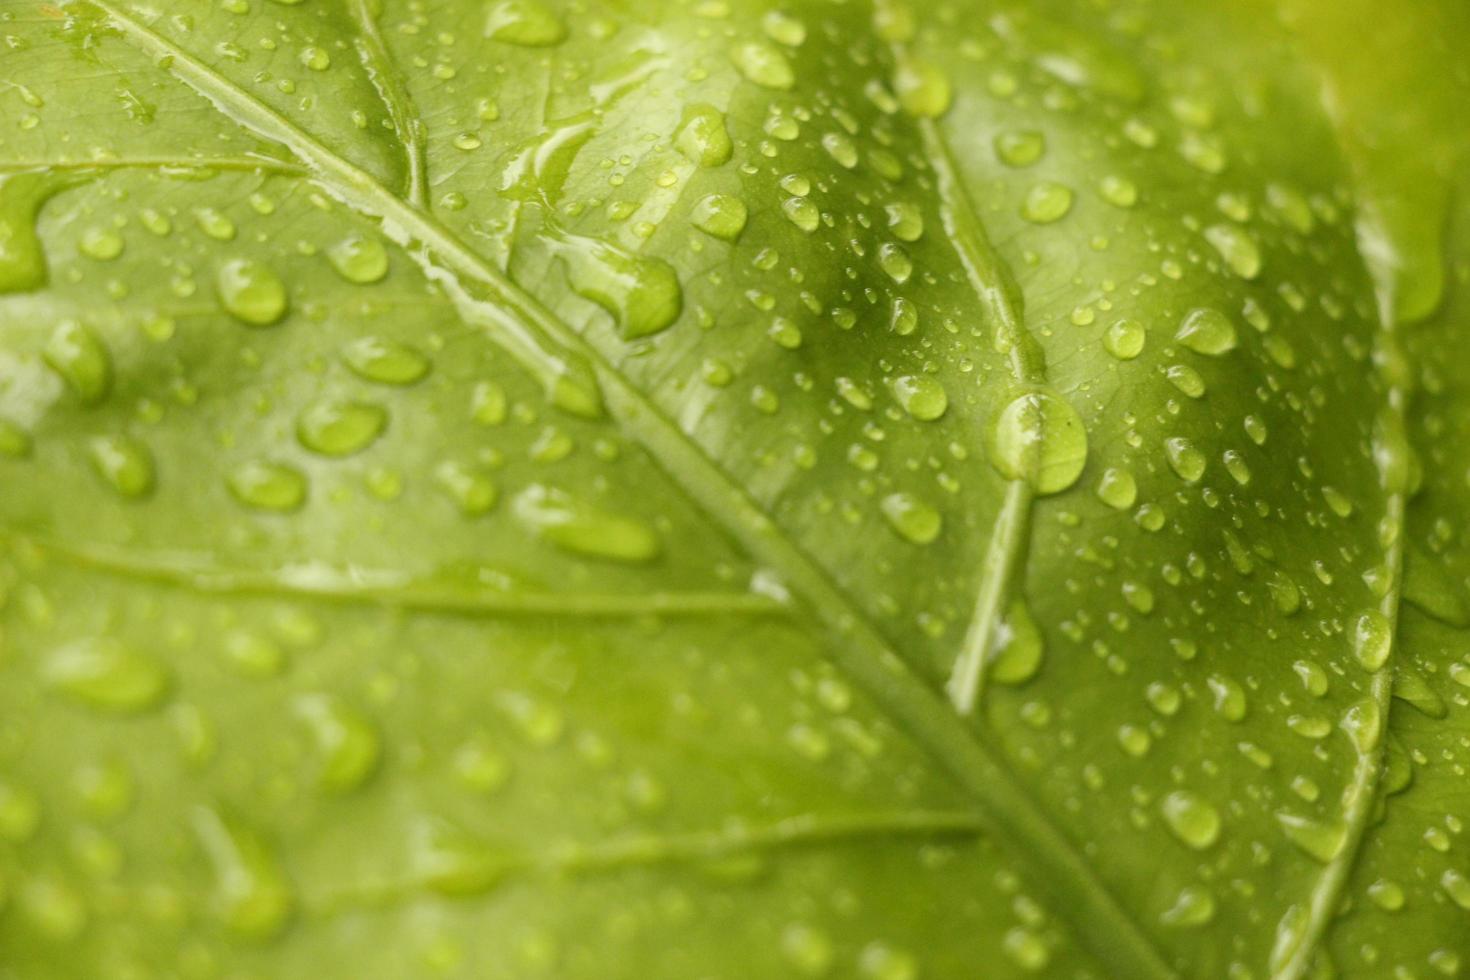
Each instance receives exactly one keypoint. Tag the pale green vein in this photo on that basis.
(1361, 793)
(994, 287)
(694, 847)
(406, 123)
(354, 584)
(527, 329)
(183, 166)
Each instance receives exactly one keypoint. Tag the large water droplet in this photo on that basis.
(347, 743)
(1372, 639)
(583, 528)
(642, 294)
(22, 260)
(720, 215)
(123, 462)
(702, 136)
(1323, 841)
(340, 428)
(107, 675)
(253, 897)
(251, 292)
(764, 64)
(74, 352)
(528, 23)
(1207, 331)
(1039, 438)
(385, 361)
(1190, 818)
(265, 485)
(911, 517)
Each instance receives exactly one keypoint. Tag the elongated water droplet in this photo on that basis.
(720, 215)
(913, 519)
(265, 485)
(1322, 841)
(1207, 331)
(452, 862)
(921, 396)
(802, 213)
(1017, 648)
(538, 171)
(340, 428)
(1236, 246)
(1193, 820)
(253, 897)
(123, 462)
(583, 528)
(74, 352)
(347, 743)
(251, 292)
(764, 64)
(1117, 488)
(107, 675)
(22, 260)
(528, 23)
(1039, 438)
(642, 294)
(702, 136)
(1372, 639)
(359, 259)
(470, 487)
(1194, 906)
(1185, 459)
(385, 361)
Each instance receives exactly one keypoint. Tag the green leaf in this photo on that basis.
(521, 488)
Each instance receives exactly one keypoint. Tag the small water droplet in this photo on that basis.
(340, 428)
(764, 64)
(1236, 246)
(1191, 819)
(266, 485)
(123, 462)
(385, 361)
(359, 259)
(1020, 148)
(74, 352)
(1046, 202)
(583, 528)
(347, 743)
(923, 397)
(253, 897)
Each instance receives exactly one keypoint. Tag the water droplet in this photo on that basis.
(583, 528)
(1117, 488)
(1118, 191)
(1186, 379)
(123, 462)
(880, 961)
(74, 352)
(921, 396)
(469, 486)
(1187, 462)
(1046, 202)
(102, 244)
(1457, 887)
(347, 743)
(1018, 646)
(1372, 639)
(1193, 820)
(340, 428)
(22, 260)
(1039, 438)
(1194, 906)
(642, 294)
(215, 224)
(251, 292)
(1386, 894)
(923, 90)
(1207, 331)
(802, 213)
(905, 221)
(1322, 841)
(783, 28)
(253, 897)
(385, 361)
(359, 259)
(107, 675)
(528, 23)
(1124, 339)
(913, 519)
(807, 949)
(1026, 949)
(1236, 246)
(265, 485)
(720, 215)
(763, 64)
(452, 862)
(702, 136)
(1020, 148)
(893, 260)
(20, 813)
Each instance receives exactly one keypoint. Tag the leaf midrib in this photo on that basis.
(1060, 870)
